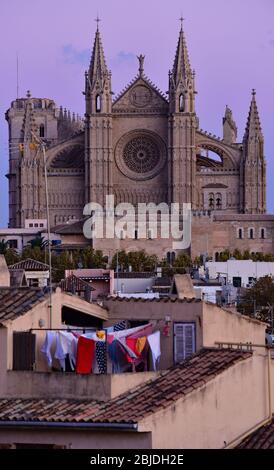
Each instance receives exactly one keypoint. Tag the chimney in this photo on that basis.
(4, 273)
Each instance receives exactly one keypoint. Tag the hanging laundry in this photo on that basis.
(120, 326)
(129, 348)
(85, 354)
(46, 347)
(101, 356)
(118, 357)
(66, 345)
(154, 343)
(140, 345)
(143, 330)
(101, 335)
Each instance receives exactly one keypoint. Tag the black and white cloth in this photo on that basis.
(122, 325)
(101, 356)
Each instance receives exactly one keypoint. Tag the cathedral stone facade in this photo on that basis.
(143, 146)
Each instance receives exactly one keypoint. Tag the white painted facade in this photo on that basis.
(245, 270)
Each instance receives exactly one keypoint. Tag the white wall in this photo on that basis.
(240, 268)
(133, 285)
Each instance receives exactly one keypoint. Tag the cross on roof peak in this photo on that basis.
(181, 19)
(97, 19)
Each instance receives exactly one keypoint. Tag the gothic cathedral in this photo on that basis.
(142, 146)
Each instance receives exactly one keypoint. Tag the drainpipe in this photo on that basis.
(240, 438)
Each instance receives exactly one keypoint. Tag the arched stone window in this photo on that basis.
(98, 103)
(42, 130)
(240, 233)
(181, 103)
(251, 233)
(262, 233)
(211, 201)
(218, 201)
(170, 257)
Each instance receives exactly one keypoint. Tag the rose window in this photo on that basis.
(141, 154)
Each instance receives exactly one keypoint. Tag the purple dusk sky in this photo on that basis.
(230, 43)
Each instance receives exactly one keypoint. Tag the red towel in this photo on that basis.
(85, 353)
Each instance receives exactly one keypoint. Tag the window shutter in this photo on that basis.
(179, 342)
(23, 350)
(184, 341)
(189, 340)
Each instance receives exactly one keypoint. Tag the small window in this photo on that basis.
(30, 225)
(136, 234)
(98, 104)
(237, 281)
(42, 130)
(41, 225)
(240, 234)
(251, 233)
(218, 201)
(211, 201)
(181, 103)
(13, 244)
(184, 341)
(262, 233)
(149, 234)
(171, 255)
(35, 225)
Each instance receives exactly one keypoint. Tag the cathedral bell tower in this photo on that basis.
(253, 167)
(182, 128)
(98, 126)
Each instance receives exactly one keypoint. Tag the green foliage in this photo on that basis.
(3, 247)
(11, 256)
(38, 242)
(257, 299)
(138, 260)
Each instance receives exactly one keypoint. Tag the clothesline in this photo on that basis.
(88, 352)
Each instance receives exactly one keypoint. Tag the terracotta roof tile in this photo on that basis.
(263, 438)
(133, 405)
(30, 265)
(161, 299)
(17, 301)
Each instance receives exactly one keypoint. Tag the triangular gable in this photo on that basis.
(141, 95)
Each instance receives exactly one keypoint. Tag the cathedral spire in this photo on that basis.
(253, 126)
(182, 79)
(98, 79)
(29, 125)
(181, 68)
(97, 68)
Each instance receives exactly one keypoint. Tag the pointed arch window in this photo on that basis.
(218, 201)
(251, 233)
(98, 103)
(181, 103)
(211, 201)
(42, 130)
(240, 234)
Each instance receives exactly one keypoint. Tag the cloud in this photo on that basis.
(74, 56)
(123, 58)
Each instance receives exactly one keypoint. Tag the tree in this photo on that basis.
(4, 245)
(138, 260)
(257, 298)
(11, 256)
(38, 242)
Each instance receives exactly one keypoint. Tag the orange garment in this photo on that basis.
(136, 344)
(140, 344)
